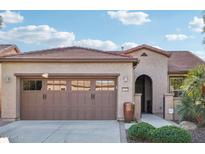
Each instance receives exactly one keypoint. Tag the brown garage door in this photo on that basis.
(68, 99)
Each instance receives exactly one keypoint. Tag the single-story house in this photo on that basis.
(75, 83)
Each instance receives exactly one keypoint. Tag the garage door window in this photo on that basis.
(32, 85)
(56, 85)
(80, 85)
(105, 85)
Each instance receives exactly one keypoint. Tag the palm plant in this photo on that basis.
(186, 109)
(192, 107)
(204, 26)
(1, 21)
(193, 84)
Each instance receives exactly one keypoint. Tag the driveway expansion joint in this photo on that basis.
(59, 127)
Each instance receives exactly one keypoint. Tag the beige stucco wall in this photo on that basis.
(10, 94)
(5, 53)
(154, 65)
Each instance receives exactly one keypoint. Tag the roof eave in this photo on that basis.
(66, 60)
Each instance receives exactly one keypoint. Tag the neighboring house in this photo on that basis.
(6, 50)
(87, 84)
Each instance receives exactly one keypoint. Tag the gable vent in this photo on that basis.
(144, 55)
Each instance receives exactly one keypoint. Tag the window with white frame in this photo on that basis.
(175, 84)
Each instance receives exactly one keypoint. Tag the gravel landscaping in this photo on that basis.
(198, 135)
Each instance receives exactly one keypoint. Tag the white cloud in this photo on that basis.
(41, 34)
(196, 24)
(128, 45)
(130, 18)
(50, 37)
(176, 37)
(96, 44)
(11, 17)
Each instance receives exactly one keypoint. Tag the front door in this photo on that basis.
(143, 85)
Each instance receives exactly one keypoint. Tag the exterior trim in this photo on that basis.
(67, 60)
(60, 75)
(178, 73)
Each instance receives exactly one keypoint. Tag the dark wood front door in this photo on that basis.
(68, 99)
(143, 85)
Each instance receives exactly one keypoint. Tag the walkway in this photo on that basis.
(154, 120)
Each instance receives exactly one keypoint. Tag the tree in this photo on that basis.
(1, 21)
(204, 23)
(204, 26)
(193, 102)
(193, 84)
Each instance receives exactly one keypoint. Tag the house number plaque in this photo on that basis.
(125, 89)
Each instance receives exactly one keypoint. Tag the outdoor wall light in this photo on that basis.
(125, 79)
(7, 79)
(45, 75)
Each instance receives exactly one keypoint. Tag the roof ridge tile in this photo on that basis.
(71, 47)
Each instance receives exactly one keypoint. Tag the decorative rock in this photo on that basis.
(4, 140)
(188, 125)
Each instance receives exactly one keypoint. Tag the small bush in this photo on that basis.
(140, 131)
(170, 134)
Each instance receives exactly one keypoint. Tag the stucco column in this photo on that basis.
(137, 101)
(168, 106)
(9, 106)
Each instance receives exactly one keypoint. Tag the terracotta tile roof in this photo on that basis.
(178, 62)
(116, 52)
(71, 54)
(183, 61)
(6, 48)
(148, 47)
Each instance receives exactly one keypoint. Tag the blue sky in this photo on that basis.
(108, 30)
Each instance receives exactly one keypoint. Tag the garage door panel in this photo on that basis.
(68, 99)
(38, 107)
(24, 106)
(74, 113)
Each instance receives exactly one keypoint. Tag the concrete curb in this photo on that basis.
(123, 136)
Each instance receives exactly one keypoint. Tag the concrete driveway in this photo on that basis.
(62, 131)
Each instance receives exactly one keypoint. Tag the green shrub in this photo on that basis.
(170, 134)
(140, 131)
(192, 107)
(186, 109)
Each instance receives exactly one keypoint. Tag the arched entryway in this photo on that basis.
(143, 85)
